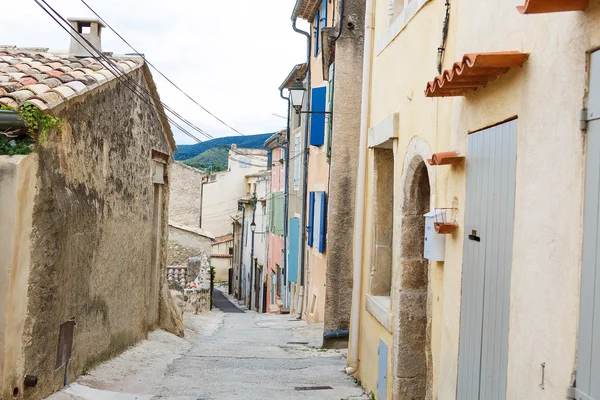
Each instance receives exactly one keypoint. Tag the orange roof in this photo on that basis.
(550, 6)
(474, 71)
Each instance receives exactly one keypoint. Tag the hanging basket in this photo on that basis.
(443, 225)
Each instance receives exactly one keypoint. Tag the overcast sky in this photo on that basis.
(231, 56)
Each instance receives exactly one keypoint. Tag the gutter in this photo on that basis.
(304, 165)
(10, 120)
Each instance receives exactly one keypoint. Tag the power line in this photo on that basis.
(157, 70)
(115, 70)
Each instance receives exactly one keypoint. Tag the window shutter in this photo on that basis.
(324, 14)
(317, 121)
(311, 216)
(293, 248)
(322, 221)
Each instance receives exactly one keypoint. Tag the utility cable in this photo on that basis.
(115, 70)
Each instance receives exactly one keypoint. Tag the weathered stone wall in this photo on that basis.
(184, 244)
(344, 166)
(184, 207)
(92, 232)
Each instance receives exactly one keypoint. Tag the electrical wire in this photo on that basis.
(157, 70)
(115, 70)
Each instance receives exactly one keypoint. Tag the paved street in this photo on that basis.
(224, 356)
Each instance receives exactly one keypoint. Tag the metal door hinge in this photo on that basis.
(583, 119)
(574, 394)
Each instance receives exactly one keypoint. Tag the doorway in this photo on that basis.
(412, 336)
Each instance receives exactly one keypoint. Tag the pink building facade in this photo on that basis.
(275, 273)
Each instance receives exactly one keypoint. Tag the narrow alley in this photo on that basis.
(225, 355)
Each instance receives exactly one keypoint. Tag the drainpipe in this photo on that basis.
(10, 119)
(240, 271)
(304, 168)
(286, 191)
(252, 256)
(359, 212)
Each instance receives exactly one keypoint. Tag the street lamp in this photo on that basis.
(252, 226)
(297, 93)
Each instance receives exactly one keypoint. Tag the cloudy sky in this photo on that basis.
(231, 56)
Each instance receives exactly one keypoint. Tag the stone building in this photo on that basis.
(485, 119)
(331, 133)
(224, 189)
(186, 186)
(186, 242)
(222, 257)
(83, 220)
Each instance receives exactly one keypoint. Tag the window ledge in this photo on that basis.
(379, 307)
(399, 24)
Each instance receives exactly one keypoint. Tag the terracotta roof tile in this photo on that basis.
(55, 73)
(51, 97)
(8, 101)
(11, 86)
(38, 103)
(28, 80)
(65, 91)
(550, 6)
(472, 72)
(46, 79)
(21, 96)
(52, 82)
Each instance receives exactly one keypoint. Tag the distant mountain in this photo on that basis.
(197, 155)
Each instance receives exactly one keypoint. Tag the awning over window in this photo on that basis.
(474, 71)
(550, 6)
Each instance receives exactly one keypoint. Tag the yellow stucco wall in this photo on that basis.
(546, 95)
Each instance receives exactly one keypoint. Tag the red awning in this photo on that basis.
(474, 71)
(550, 6)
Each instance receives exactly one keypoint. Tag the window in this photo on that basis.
(383, 226)
(297, 159)
(244, 162)
(320, 22)
(279, 283)
(399, 14)
(317, 217)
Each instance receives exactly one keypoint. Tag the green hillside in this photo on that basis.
(197, 155)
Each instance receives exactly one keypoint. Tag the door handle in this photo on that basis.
(473, 236)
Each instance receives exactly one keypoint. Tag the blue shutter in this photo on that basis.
(317, 121)
(317, 33)
(311, 216)
(324, 14)
(382, 364)
(293, 246)
(322, 221)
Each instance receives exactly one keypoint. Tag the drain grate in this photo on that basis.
(314, 388)
(297, 342)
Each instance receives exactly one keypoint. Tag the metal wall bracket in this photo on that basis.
(583, 119)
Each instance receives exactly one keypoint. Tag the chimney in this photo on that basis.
(91, 30)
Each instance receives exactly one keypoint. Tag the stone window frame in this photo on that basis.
(396, 22)
(384, 135)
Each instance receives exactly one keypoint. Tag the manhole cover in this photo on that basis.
(313, 388)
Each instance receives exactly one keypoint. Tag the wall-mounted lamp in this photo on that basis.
(253, 227)
(297, 93)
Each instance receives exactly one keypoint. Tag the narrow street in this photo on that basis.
(225, 355)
